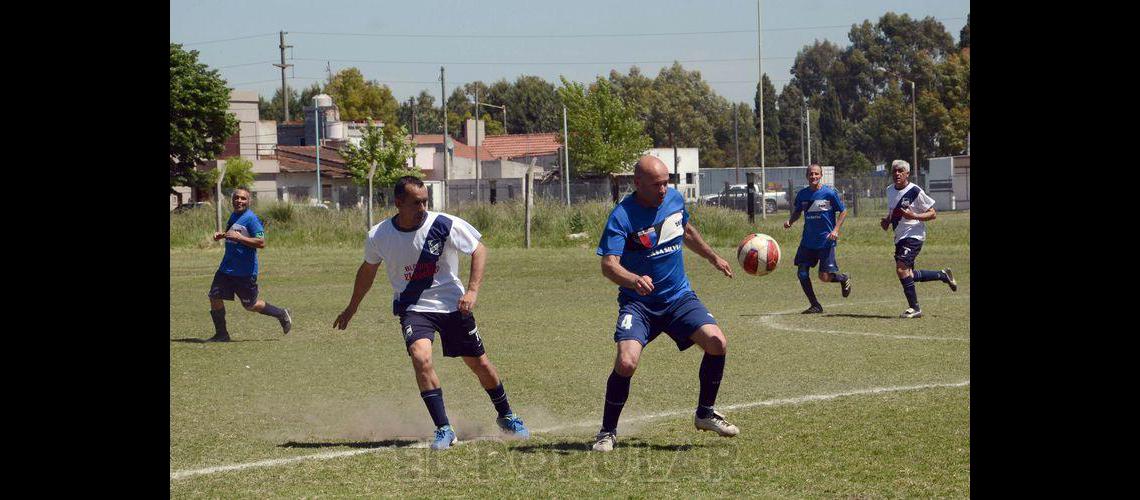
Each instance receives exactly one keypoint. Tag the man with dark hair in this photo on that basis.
(237, 274)
(641, 253)
(821, 234)
(909, 208)
(421, 248)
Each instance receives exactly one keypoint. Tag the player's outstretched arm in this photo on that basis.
(478, 263)
(792, 220)
(834, 235)
(696, 243)
(613, 270)
(236, 237)
(365, 275)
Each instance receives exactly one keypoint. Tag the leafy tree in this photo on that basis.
(635, 90)
(199, 120)
(239, 173)
(684, 112)
(605, 135)
(791, 133)
(427, 117)
(358, 99)
(272, 109)
(532, 106)
(388, 148)
(964, 35)
(773, 147)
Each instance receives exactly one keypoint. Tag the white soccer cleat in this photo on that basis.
(911, 312)
(605, 441)
(716, 423)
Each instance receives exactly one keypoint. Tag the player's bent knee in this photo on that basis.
(803, 274)
(626, 367)
(825, 277)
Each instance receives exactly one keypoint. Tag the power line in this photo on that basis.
(228, 39)
(374, 61)
(244, 64)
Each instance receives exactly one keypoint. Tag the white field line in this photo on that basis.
(770, 321)
(423, 444)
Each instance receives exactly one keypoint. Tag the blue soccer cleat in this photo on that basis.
(444, 438)
(513, 425)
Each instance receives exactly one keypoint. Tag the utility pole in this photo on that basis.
(760, 64)
(446, 153)
(736, 139)
(284, 87)
(566, 152)
(412, 105)
(807, 123)
(478, 191)
(317, 130)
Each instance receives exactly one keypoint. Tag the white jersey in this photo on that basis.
(913, 197)
(422, 264)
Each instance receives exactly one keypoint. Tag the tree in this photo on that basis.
(532, 106)
(773, 148)
(357, 99)
(388, 148)
(199, 120)
(964, 35)
(427, 118)
(273, 110)
(605, 135)
(685, 111)
(239, 173)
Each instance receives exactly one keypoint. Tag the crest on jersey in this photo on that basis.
(434, 247)
(904, 203)
(647, 237)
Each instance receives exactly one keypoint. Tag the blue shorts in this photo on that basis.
(225, 286)
(825, 256)
(644, 322)
(457, 332)
(906, 250)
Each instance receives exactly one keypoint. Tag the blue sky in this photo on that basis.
(521, 37)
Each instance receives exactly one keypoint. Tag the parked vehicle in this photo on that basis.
(186, 207)
(737, 197)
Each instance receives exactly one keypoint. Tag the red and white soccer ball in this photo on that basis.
(758, 254)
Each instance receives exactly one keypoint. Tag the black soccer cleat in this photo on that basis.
(219, 338)
(950, 279)
(816, 309)
(846, 287)
(286, 322)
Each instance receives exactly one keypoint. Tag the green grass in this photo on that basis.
(547, 317)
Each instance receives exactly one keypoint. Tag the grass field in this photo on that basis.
(853, 402)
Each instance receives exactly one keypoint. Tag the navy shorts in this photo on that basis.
(225, 286)
(457, 332)
(906, 250)
(824, 256)
(644, 322)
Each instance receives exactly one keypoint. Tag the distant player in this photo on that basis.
(423, 267)
(909, 208)
(820, 203)
(237, 274)
(641, 252)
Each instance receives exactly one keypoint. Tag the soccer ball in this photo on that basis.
(758, 254)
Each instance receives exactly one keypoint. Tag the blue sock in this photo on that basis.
(840, 278)
(908, 290)
(499, 399)
(805, 282)
(434, 401)
(272, 310)
(929, 276)
(712, 369)
(617, 390)
(219, 317)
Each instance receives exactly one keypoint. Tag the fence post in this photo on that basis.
(751, 198)
(493, 190)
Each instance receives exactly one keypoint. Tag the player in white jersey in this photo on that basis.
(909, 208)
(421, 249)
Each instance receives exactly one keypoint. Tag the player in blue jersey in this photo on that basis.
(237, 274)
(820, 204)
(909, 208)
(641, 252)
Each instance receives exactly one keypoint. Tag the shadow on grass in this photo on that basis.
(880, 316)
(568, 447)
(203, 341)
(355, 444)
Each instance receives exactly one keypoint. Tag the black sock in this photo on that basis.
(219, 317)
(921, 275)
(499, 399)
(272, 310)
(841, 278)
(617, 390)
(908, 290)
(805, 282)
(712, 368)
(434, 401)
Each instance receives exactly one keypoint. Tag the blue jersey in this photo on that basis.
(819, 208)
(239, 259)
(649, 242)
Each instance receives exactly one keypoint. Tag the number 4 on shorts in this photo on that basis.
(626, 321)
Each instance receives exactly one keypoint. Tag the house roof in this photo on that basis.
(295, 159)
(516, 145)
